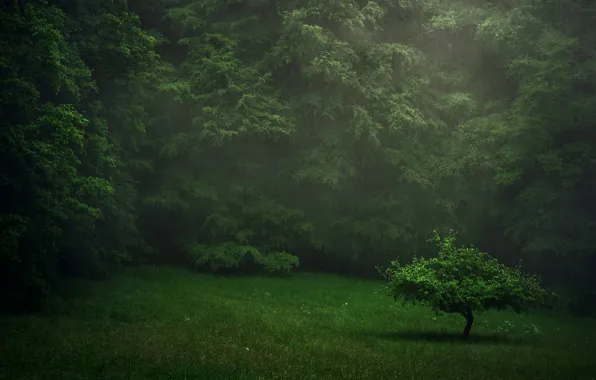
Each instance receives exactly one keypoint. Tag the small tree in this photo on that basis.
(463, 280)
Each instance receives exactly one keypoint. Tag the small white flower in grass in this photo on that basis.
(247, 349)
(186, 319)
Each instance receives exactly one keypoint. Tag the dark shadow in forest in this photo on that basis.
(447, 337)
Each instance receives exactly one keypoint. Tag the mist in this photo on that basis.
(275, 178)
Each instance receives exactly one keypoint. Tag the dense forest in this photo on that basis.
(319, 135)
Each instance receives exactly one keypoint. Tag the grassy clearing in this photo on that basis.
(169, 324)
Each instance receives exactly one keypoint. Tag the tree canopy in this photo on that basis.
(463, 280)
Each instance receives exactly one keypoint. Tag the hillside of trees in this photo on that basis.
(336, 134)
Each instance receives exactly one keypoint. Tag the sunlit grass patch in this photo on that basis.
(170, 324)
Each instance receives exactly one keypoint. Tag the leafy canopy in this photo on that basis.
(461, 279)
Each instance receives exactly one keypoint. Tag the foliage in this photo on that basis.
(279, 262)
(42, 145)
(462, 280)
(66, 186)
(336, 131)
(231, 255)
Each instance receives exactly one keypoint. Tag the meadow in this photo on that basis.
(167, 323)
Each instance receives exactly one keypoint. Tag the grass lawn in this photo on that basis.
(166, 323)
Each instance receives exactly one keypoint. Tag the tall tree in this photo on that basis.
(42, 146)
(76, 77)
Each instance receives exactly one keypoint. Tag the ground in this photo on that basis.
(165, 323)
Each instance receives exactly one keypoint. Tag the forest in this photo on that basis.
(246, 144)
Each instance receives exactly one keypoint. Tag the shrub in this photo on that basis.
(232, 255)
(279, 262)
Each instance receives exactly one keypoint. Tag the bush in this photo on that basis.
(279, 262)
(231, 255)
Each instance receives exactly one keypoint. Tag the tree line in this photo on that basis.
(329, 135)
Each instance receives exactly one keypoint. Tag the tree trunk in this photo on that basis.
(469, 321)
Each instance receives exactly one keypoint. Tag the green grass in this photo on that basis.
(170, 324)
